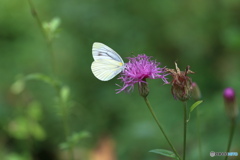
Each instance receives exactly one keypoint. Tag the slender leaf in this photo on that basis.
(193, 107)
(164, 152)
(43, 78)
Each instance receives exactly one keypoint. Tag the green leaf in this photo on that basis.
(79, 136)
(43, 78)
(164, 152)
(16, 156)
(37, 131)
(193, 107)
(65, 92)
(34, 111)
(51, 28)
(18, 86)
(74, 139)
(64, 146)
(18, 128)
(54, 24)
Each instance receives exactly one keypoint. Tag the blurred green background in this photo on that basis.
(202, 34)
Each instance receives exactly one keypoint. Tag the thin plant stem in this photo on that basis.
(160, 127)
(48, 41)
(53, 64)
(199, 136)
(49, 45)
(35, 15)
(185, 128)
(66, 127)
(232, 128)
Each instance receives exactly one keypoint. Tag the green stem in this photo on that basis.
(199, 136)
(160, 127)
(48, 41)
(49, 45)
(35, 15)
(185, 128)
(66, 128)
(232, 128)
(53, 64)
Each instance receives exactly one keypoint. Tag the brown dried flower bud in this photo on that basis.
(181, 83)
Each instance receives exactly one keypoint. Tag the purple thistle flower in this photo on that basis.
(138, 69)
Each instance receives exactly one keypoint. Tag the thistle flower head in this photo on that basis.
(137, 70)
(181, 83)
(230, 102)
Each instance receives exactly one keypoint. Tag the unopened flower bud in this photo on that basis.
(143, 89)
(196, 93)
(230, 102)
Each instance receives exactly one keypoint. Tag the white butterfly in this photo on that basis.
(107, 63)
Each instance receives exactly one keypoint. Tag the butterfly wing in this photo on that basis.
(107, 63)
(106, 69)
(101, 51)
